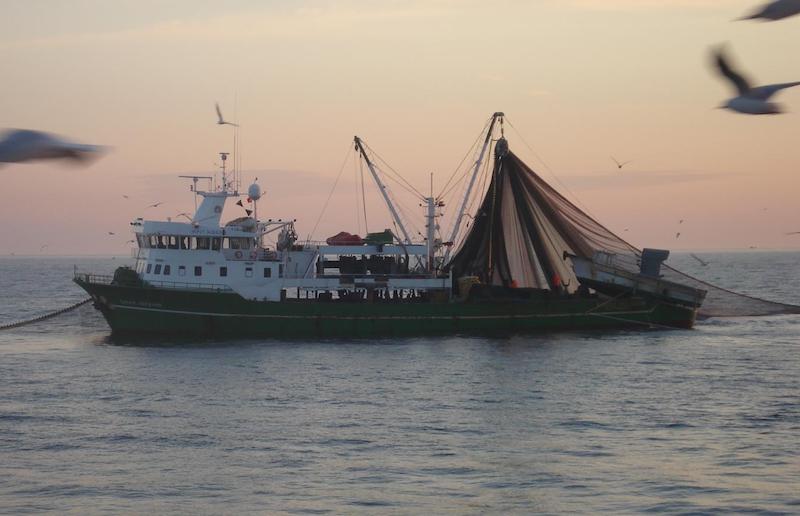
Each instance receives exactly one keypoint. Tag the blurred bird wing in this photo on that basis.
(765, 92)
(219, 114)
(740, 83)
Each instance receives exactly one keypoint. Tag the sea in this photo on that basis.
(702, 421)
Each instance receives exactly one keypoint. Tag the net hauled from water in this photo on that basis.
(524, 229)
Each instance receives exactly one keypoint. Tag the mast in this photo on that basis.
(382, 188)
(475, 171)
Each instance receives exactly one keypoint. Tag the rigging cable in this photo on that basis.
(363, 197)
(328, 200)
(469, 151)
(547, 167)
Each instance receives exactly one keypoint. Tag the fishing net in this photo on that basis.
(524, 229)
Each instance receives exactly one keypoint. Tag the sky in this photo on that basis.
(580, 80)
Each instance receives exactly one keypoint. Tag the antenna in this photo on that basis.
(193, 188)
(224, 157)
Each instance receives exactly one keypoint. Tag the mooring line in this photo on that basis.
(45, 316)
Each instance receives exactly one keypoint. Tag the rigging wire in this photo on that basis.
(547, 167)
(363, 197)
(328, 200)
(356, 163)
(402, 180)
(471, 150)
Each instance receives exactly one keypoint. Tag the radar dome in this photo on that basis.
(254, 192)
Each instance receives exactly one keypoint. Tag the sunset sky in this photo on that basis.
(580, 80)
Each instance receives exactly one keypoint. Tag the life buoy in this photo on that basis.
(238, 255)
(253, 255)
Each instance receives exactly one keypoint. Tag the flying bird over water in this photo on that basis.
(619, 165)
(154, 205)
(220, 120)
(23, 145)
(750, 100)
(775, 10)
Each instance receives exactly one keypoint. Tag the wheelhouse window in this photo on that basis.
(158, 269)
(198, 270)
(173, 242)
(203, 243)
(216, 243)
(185, 242)
(223, 271)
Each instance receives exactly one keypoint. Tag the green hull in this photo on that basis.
(138, 309)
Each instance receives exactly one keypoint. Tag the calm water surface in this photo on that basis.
(702, 421)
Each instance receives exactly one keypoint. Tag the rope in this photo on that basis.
(328, 200)
(45, 316)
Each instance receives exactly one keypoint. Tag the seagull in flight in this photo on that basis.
(619, 165)
(677, 235)
(750, 100)
(155, 205)
(111, 233)
(794, 233)
(23, 145)
(775, 10)
(220, 120)
(184, 214)
(702, 262)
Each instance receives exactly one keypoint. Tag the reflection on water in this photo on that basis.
(675, 421)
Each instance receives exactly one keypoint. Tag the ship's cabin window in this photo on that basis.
(223, 271)
(185, 242)
(173, 242)
(280, 270)
(181, 270)
(166, 270)
(238, 243)
(149, 267)
(198, 270)
(216, 243)
(162, 242)
(203, 243)
(153, 241)
(267, 272)
(248, 272)
(158, 269)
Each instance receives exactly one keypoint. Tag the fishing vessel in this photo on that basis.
(526, 260)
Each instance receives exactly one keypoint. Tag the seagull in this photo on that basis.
(794, 233)
(130, 241)
(775, 10)
(184, 214)
(42, 248)
(702, 262)
(23, 145)
(155, 205)
(111, 233)
(750, 101)
(677, 235)
(125, 196)
(619, 165)
(680, 221)
(220, 120)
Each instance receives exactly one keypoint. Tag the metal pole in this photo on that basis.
(382, 188)
(476, 169)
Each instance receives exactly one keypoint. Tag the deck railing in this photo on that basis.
(104, 279)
